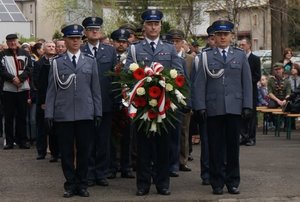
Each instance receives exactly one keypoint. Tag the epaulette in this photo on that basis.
(136, 42)
(168, 42)
(88, 55)
(57, 56)
(238, 48)
(207, 49)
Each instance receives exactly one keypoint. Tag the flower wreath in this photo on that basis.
(152, 95)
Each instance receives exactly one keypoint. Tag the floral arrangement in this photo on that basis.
(152, 95)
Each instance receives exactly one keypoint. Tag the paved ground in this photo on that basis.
(270, 171)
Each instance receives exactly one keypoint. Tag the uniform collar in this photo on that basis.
(70, 55)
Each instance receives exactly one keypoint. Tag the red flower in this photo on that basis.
(140, 102)
(180, 80)
(152, 114)
(154, 91)
(167, 104)
(139, 74)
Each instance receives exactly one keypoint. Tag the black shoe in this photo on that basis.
(173, 174)
(190, 158)
(8, 146)
(83, 193)
(184, 168)
(205, 182)
(68, 193)
(250, 143)
(113, 175)
(142, 192)
(24, 146)
(127, 175)
(53, 159)
(243, 142)
(163, 191)
(218, 191)
(233, 190)
(40, 157)
(102, 182)
(91, 183)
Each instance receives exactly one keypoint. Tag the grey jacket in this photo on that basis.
(82, 99)
(228, 94)
(164, 53)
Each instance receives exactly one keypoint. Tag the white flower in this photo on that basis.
(162, 83)
(173, 73)
(153, 102)
(148, 79)
(140, 91)
(153, 127)
(145, 116)
(173, 106)
(169, 87)
(133, 67)
(180, 97)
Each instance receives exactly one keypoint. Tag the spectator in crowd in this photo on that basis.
(279, 87)
(287, 63)
(262, 88)
(60, 46)
(248, 130)
(15, 70)
(37, 51)
(40, 78)
(294, 78)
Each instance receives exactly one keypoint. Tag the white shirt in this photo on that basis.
(76, 54)
(91, 47)
(221, 49)
(155, 41)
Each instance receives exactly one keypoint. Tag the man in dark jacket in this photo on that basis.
(248, 130)
(40, 79)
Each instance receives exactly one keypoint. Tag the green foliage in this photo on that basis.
(57, 35)
(23, 39)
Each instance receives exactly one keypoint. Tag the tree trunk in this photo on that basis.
(279, 28)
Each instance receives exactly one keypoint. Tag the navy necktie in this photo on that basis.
(95, 51)
(224, 55)
(152, 46)
(74, 60)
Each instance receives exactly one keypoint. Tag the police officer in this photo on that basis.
(180, 139)
(222, 91)
(149, 50)
(121, 123)
(73, 102)
(106, 60)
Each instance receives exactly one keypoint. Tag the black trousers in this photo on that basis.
(15, 108)
(248, 129)
(42, 133)
(153, 158)
(99, 148)
(78, 133)
(223, 140)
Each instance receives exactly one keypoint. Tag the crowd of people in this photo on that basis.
(58, 94)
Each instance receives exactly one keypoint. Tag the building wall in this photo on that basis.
(254, 23)
(21, 28)
(28, 9)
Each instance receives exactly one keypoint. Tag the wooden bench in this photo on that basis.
(289, 124)
(266, 111)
